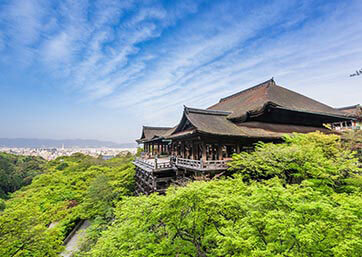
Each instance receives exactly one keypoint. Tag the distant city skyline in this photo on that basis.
(53, 153)
(58, 143)
(102, 69)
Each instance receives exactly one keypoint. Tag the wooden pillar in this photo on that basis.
(188, 150)
(194, 150)
(153, 148)
(213, 152)
(237, 148)
(219, 152)
(204, 157)
(183, 149)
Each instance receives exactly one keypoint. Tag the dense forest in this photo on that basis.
(17, 171)
(299, 198)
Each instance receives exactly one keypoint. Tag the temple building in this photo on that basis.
(355, 123)
(205, 139)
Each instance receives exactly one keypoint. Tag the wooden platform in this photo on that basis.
(156, 175)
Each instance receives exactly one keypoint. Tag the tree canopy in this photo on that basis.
(17, 171)
(69, 189)
(299, 198)
(290, 199)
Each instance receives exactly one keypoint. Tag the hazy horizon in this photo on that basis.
(102, 69)
(67, 143)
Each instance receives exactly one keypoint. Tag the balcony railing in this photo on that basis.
(202, 165)
(164, 164)
(153, 164)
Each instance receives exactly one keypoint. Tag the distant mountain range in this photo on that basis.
(68, 143)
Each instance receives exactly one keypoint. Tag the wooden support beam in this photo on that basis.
(204, 157)
(219, 152)
(183, 149)
(188, 150)
(194, 150)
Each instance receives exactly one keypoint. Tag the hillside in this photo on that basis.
(17, 171)
(299, 198)
(70, 189)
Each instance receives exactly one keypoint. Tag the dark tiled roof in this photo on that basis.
(256, 98)
(217, 123)
(149, 133)
(212, 122)
(280, 129)
(223, 118)
(354, 111)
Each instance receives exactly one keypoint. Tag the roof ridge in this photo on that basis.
(205, 111)
(265, 83)
(150, 127)
(348, 107)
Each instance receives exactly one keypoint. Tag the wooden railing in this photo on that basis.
(202, 165)
(156, 164)
(147, 163)
(153, 164)
(163, 165)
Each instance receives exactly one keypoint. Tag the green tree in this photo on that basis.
(288, 199)
(230, 218)
(17, 171)
(352, 140)
(320, 159)
(84, 188)
(2, 205)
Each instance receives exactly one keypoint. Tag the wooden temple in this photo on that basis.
(205, 139)
(355, 123)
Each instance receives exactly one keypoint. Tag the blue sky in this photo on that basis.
(102, 69)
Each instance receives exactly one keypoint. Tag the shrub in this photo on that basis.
(230, 218)
(315, 157)
(2, 205)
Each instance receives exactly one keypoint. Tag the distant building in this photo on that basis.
(205, 139)
(355, 121)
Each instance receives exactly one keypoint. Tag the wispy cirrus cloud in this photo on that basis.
(198, 71)
(149, 58)
(21, 24)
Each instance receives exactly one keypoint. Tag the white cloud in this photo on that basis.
(198, 74)
(152, 58)
(57, 48)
